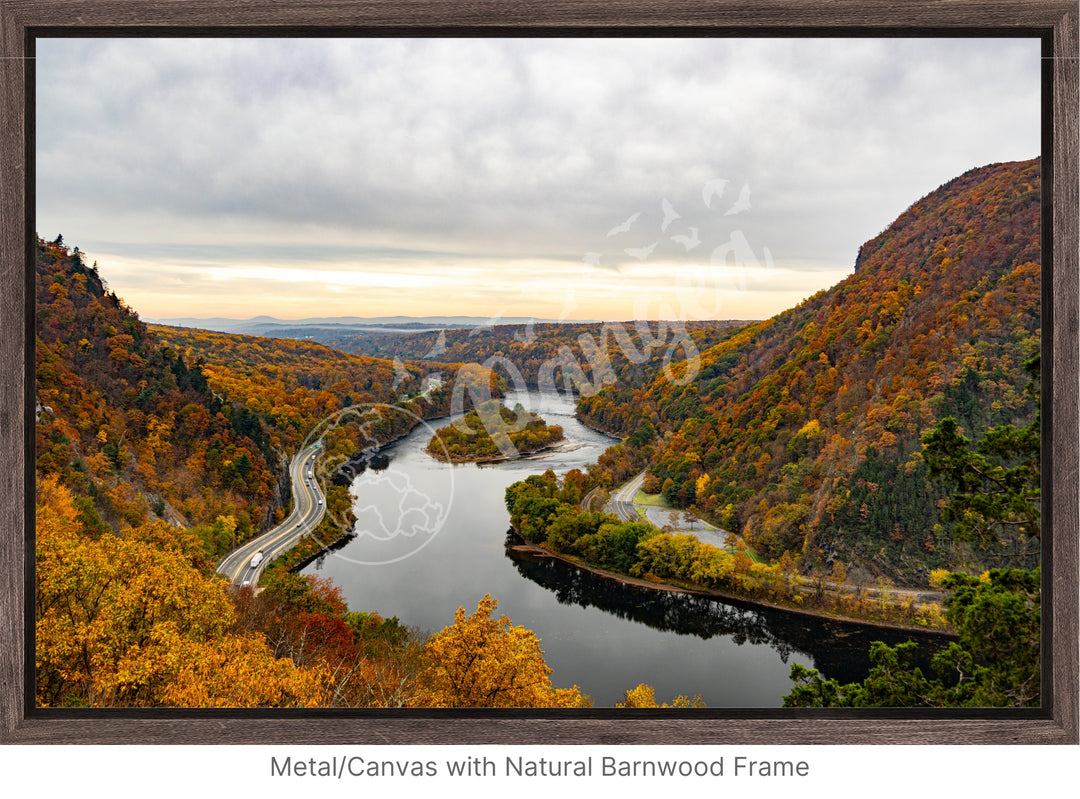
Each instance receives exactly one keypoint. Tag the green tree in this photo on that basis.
(997, 616)
(995, 662)
(998, 480)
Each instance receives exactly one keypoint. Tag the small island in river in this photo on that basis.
(493, 432)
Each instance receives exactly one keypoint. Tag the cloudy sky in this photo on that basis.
(547, 178)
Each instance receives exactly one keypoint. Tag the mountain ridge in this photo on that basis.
(809, 424)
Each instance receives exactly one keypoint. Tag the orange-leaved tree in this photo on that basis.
(479, 661)
(122, 622)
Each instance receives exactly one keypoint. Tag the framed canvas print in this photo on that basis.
(451, 373)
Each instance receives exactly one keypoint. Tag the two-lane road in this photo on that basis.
(622, 505)
(622, 499)
(243, 566)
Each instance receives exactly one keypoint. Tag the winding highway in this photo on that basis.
(245, 564)
(622, 499)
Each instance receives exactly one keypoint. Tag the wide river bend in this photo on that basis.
(433, 537)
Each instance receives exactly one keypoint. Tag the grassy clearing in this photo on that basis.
(656, 500)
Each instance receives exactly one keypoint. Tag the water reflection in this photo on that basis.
(840, 650)
(598, 634)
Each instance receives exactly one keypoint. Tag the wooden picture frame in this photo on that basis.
(1053, 21)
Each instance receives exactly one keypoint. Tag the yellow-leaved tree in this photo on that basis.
(479, 661)
(644, 695)
(122, 622)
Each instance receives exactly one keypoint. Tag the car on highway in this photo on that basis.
(256, 559)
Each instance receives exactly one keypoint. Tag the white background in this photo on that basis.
(880, 771)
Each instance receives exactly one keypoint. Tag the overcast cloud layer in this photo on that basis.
(376, 177)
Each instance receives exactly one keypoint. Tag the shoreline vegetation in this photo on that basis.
(546, 513)
(817, 596)
(491, 433)
(310, 547)
(536, 550)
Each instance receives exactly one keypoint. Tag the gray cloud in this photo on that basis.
(513, 148)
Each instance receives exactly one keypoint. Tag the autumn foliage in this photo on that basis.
(644, 695)
(159, 449)
(579, 356)
(131, 622)
(130, 425)
(293, 385)
(480, 661)
(492, 432)
(122, 622)
(809, 425)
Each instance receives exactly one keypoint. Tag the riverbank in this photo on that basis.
(586, 624)
(310, 547)
(537, 550)
(617, 437)
(308, 550)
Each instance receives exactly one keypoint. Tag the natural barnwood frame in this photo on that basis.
(1054, 21)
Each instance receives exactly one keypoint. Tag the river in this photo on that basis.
(433, 537)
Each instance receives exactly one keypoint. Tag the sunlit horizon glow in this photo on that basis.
(545, 178)
(644, 291)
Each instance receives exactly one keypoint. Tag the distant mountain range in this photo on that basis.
(269, 325)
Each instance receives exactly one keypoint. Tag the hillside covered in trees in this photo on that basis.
(185, 425)
(152, 462)
(129, 424)
(138, 620)
(294, 385)
(804, 431)
(815, 435)
(297, 387)
(581, 356)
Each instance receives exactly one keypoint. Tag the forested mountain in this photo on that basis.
(551, 354)
(128, 610)
(187, 425)
(803, 432)
(294, 385)
(129, 424)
